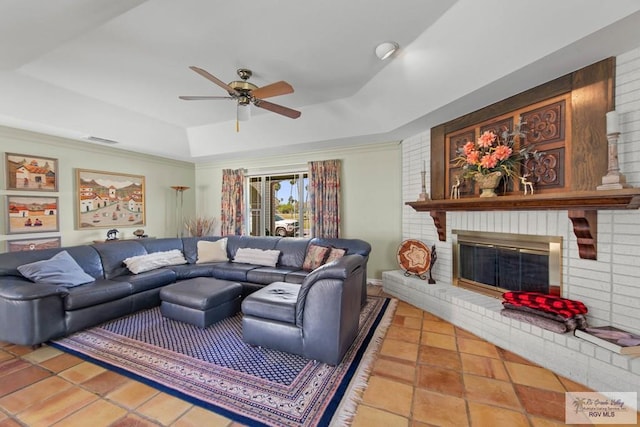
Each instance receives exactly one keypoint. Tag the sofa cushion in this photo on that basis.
(268, 257)
(112, 254)
(189, 271)
(212, 251)
(334, 254)
(234, 272)
(61, 269)
(98, 292)
(266, 275)
(141, 263)
(293, 250)
(297, 276)
(315, 257)
(276, 301)
(148, 279)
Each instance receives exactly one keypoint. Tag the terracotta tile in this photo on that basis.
(19, 400)
(441, 380)
(484, 366)
(61, 362)
(429, 316)
(82, 372)
(512, 357)
(132, 394)
(408, 310)
(197, 417)
(56, 408)
(439, 357)
(534, 376)
(490, 391)
(21, 378)
(42, 354)
(480, 348)
(134, 420)
(372, 417)
(545, 403)
(572, 385)
(5, 356)
(12, 365)
(9, 423)
(434, 339)
(490, 416)
(463, 333)
(101, 413)
(407, 321)
(164, 408)
(544, 422)
(104, 382)
(399, 349)
(438, 326)
(388, 395)
(437, 409)
(403, 334)
(394, 369)
(19, 350)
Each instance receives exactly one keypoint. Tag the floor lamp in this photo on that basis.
(180, 189)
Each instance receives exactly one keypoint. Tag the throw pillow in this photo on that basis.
(268, 257)
(335, 254)
(141, 263)
(315, 257)
(212, 251)
(61, 269)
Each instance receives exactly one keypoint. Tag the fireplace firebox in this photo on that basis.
(493, 263)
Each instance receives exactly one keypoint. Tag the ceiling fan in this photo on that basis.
(246, 93)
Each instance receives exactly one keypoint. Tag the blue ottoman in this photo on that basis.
(200, 301)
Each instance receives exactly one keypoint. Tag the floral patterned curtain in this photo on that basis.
(324, 198)
(232, 214)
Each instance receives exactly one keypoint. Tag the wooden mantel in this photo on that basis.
(582, 207)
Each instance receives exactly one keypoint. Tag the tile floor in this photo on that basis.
(428, 373)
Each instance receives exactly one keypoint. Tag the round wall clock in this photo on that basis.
(414, 257)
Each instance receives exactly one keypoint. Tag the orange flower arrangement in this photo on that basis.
(490, 153)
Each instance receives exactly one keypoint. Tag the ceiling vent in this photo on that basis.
(101, 140)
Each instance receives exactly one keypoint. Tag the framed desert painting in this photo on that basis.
(108, 199)
(19, 245)
(34, 173)
(32, 214)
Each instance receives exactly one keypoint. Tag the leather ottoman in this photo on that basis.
(200, 301)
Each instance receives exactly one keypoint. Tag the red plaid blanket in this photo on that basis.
(550, 303)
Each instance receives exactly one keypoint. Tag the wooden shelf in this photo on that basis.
(582, 206)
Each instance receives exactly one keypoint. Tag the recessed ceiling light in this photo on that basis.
(386, 49)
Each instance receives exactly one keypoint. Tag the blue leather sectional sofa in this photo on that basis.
(33, 313)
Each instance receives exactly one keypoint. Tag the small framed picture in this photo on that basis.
(19, 245)
(31, 173)
(32, 214)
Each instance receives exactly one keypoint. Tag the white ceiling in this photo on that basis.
(115, 68)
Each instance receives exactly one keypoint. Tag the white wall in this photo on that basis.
(160, 174)
(370, 194)
(610, 286)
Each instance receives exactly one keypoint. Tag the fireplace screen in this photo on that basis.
(493, 263)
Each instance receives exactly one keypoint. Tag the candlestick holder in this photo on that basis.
(424, 196)
(614, 179)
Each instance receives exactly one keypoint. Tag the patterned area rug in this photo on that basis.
(215, 369)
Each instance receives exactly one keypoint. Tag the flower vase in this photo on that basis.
(488, 183)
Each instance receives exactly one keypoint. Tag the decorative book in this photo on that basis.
(611, 338)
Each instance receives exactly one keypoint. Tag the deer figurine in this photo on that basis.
(455, 188)
(528, 185)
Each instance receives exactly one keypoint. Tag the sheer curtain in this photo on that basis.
(324, 198)
(232, 214)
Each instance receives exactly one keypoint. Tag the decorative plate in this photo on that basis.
(414, 257)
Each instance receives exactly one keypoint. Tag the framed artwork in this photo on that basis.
(107, 199)
(19, 245)
(32, 214)
(33, 173)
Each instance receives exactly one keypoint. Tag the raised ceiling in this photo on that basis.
(114, 68)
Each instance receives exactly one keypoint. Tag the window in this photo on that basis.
(277, 204)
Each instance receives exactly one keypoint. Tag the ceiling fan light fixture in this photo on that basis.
(244, 112)
(385, 49)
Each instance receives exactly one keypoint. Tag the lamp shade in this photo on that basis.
(244, 112)
(386, 49)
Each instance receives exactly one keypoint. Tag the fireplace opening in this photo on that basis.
(493, 263)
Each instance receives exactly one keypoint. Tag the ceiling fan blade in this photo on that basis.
(274, 89)
(203, 98)
(285, 111)
(214, 79)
